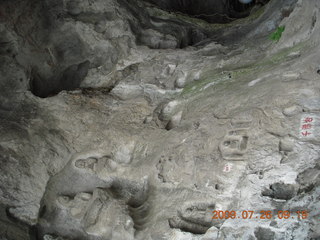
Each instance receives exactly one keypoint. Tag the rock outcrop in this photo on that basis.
(141, 120)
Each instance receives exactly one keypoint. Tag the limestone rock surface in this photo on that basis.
(126, 120)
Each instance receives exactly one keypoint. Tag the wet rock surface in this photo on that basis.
(120, 120)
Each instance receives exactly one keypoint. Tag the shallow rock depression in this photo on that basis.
(159, 120)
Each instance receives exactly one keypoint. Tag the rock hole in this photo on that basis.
(314, 20)
(280, 191)
(42, 211)
(69, 79)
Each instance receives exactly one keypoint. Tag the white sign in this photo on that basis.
(307, 126)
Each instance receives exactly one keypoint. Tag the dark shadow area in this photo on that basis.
(70, 79)
(280, 191)
(12, 228)
(212, 11)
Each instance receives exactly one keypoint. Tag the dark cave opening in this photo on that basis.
(212, 11)
(69, 79)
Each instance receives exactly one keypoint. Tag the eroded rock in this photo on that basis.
(280, 191)
(97, 163)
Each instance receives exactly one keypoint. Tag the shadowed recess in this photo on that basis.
(212, 11)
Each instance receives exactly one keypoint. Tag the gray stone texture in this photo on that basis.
(119, 121)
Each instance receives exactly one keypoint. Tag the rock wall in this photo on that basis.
(120, 121)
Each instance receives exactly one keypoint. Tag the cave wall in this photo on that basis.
(116, 108)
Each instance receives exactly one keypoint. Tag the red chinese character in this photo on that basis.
(306, 133)
(306, 126)
(308, 119)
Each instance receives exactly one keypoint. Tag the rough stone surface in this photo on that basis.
(119, 121)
